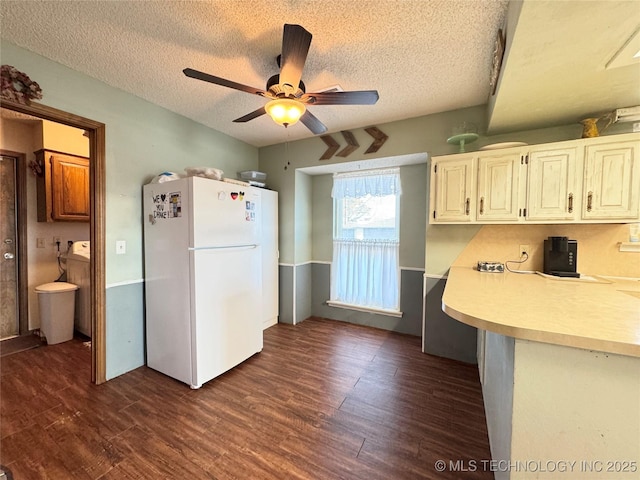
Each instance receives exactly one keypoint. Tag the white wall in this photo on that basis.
(575, 405)
(551, 407)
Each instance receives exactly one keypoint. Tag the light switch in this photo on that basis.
(121, 247)
(39, 242)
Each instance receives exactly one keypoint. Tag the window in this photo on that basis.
(365, 271)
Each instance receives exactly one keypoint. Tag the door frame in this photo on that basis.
(20, 179)
(97, 183)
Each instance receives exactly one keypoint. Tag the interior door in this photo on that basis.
(9, 318)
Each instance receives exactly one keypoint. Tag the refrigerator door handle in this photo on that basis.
(226, 247)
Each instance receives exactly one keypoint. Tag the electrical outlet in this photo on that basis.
(56, 240)
(523, 251)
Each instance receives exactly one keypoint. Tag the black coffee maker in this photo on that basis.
(561, 257)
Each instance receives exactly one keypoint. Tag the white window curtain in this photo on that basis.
(365, 269)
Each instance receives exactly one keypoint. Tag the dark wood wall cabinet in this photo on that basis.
(63, 187)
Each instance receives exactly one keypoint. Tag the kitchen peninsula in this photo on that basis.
(559, 362)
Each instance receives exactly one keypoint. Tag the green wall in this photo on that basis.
(142, 140)
(303, 218)
(322, 212)
(417, 135)
(413, 218)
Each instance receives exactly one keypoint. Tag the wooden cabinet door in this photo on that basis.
(63, 187)
(498, 187)
(551, 193)
(69, 188)
(452, 190)
(612, 181)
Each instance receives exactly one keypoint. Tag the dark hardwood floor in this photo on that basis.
(323, 400)
(19, 344)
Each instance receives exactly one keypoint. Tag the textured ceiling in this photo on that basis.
(401, 48)
(423, 56)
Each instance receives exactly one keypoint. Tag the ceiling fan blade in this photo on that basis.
(189, 72)
(250, 116)
(312, 123)
(361, 97)
(295, 47)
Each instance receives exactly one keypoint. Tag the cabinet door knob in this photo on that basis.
(481, 205)
(570, 205)
(467, 206)
(589, 201)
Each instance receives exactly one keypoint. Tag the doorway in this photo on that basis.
(13, 318)
(96, 133)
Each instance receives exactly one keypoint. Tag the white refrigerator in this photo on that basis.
(203, 277)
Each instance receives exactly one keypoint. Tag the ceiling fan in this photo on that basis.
(286, 91)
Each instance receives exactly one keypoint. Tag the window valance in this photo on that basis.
(376, 183)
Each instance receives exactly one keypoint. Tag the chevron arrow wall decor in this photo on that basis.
(352, 144)
(332, 145)
(379, 136)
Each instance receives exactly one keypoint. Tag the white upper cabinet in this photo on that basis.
(589, 180)
(452, 190)
(552, 192)
(612, 181)
(498, 187)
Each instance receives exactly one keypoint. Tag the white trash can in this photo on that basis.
(57, 302)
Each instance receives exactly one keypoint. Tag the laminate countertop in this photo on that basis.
(601, 315)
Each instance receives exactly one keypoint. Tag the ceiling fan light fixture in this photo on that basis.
(289, 104)
(285, 111)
